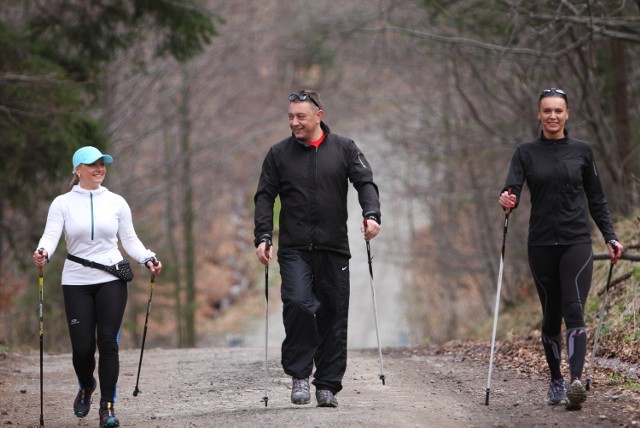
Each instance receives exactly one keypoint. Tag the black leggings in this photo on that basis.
(96, 311)
(562, 275)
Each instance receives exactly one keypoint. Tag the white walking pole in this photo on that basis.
(497, 308)
(375, 310)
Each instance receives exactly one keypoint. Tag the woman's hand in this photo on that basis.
(40, 257)
(507, 201)
(155, 268)
(615, 250)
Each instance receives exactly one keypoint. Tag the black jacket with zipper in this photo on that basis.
(565, 188)
(312, 185)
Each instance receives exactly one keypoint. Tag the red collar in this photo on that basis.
(317, 142)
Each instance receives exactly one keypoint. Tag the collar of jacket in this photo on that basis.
(562, 140)
(324, 128)
(77, 189)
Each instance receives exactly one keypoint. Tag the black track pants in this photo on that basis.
(562, 275)
(315, 296)
(95, 312)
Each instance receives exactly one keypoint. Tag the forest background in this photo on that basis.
(188, 95)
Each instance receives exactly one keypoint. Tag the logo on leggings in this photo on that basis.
(74, 321)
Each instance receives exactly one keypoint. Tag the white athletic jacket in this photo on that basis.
(92, 221)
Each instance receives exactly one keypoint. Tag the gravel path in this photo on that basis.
(223, 387)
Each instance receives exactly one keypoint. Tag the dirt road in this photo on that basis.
(223, 387)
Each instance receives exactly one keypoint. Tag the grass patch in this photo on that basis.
(622, 381)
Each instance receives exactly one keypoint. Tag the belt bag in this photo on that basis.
(122, 269)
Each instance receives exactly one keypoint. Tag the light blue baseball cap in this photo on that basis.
(88, 155)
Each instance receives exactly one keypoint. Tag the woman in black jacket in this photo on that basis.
(565, 189)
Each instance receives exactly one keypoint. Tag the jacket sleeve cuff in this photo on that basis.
(373, 216)
(262, 238)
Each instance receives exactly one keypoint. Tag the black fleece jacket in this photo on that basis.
(312, 185)
(565, 187)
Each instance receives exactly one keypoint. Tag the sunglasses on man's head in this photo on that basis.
(303, 96)
(553, 91)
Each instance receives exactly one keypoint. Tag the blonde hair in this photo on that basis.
(75, 179)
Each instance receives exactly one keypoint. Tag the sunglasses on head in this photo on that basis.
(303, 96)
(553, 91)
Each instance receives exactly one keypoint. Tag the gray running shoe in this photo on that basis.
(576, 395)
(326, 398)
(300, 391)
(557, 392)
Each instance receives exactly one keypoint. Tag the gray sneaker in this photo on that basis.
(326, 398)
(576, 395)
(557, 392)
(300, 391)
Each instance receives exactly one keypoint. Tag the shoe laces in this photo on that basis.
(300, 384)
(324, 393)
(557, 389)
(108, 410)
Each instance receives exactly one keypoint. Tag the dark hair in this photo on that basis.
(553, 92)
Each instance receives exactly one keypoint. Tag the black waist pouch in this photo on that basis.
(121, 270)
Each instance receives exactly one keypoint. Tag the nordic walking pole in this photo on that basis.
(144, 334)
(596, 338)
(265, 397)
(497, 307)
(41, 333)
(375, 310)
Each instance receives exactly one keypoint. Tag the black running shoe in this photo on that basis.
(557, 392)
(82, 403)
(108, 415)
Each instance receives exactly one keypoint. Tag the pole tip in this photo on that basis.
(486, 399)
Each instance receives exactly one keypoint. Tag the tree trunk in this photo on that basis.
(626, 195)
(187, 214)
(172, 227)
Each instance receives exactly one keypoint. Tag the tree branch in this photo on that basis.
(624, 256)
(51, 77)
(615, 282)
(482, 45)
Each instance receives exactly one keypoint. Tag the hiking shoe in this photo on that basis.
(557, 392)
(108, 416)
(576, 395)
(300, 391)
(326, 398)
(82, 403)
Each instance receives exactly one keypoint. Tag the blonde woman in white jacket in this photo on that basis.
(92, 219)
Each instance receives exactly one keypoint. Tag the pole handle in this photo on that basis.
(507, 211)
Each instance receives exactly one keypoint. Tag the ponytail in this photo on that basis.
(74, 180)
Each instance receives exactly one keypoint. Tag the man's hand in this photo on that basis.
(264, 253)
(370, 228)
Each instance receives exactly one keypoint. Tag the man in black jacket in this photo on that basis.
(310, 172)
